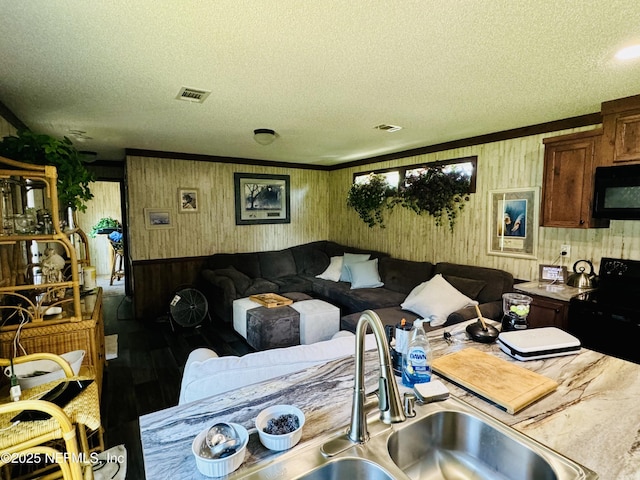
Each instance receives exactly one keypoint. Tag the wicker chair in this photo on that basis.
(35, 440)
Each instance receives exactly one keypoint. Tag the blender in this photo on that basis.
(516, 310)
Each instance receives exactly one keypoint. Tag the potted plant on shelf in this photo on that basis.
(437, 193)
(105, 225)
(371, 199)
(73, 177)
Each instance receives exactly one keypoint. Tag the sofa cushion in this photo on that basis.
(333, 271)
(350, 259)
(240, 280)
(261, 285)
(497, 281)
(277, 264)
(403, 275)
(309, 258)
(470, 287)
(293, 283)
(436, 300)
(246, 263)
(365, 274)
(351, 301)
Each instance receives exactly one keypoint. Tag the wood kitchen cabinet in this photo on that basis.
(567, 188)
(621, 131)
(548, 312)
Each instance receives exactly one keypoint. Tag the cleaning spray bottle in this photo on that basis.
(416, 364)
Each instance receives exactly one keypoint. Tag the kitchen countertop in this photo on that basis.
(591, 418)
(558, 292)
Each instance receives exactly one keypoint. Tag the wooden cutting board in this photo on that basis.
(508, 385)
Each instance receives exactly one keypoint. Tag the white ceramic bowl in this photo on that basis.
(24, 370)
(279, 442)
(218, 467)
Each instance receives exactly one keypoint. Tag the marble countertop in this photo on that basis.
(559, 292)
(592, 418)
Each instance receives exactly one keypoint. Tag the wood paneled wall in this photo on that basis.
(106, 203)
(515, 163)
(154, 183)
(318, 211)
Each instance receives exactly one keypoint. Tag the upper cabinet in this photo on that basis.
(567, 188)
(621, 131)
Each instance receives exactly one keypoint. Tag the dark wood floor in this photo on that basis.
(146, 375)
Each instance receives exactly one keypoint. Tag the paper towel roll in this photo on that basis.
(89, 278)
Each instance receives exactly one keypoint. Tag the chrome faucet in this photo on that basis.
(390, 404)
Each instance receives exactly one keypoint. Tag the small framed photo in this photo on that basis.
(188, 200)
(262, 198)
(552, 274)
(158, 218)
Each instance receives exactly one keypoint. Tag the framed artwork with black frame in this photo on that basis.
(513, 222)
(262, 198)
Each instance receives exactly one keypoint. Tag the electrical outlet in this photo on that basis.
(565, 250)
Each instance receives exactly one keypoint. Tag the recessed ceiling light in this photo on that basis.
(629, 53)
(388, 128)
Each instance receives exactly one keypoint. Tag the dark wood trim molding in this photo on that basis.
(10, 117)
(554, 126)
(214, 159)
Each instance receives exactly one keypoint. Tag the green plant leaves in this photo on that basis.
(371, 199)
(39, 149)
(434, 192)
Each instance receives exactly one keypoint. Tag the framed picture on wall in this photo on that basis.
(513, 222)
(188, 201)
(158, 218)
(262, 198)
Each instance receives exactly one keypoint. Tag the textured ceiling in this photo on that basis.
(321, 74)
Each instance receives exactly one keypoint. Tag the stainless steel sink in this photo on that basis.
(348, 468)
(452, 444)
(446, 440)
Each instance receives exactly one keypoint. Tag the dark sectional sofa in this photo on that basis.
(228, 276)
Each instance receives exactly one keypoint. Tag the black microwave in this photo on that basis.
(617, 192)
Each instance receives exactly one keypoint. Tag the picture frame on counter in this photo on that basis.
(552, 274)
(513, 222)
(262, 198)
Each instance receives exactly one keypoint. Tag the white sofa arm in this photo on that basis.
(206, 374)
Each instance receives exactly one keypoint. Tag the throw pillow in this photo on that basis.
(333, 270)
(350, 259)
(365, 274)
(436, 301)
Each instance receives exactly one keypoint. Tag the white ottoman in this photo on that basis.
(319, 320)
(240, 308)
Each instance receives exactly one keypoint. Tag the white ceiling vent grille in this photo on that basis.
(388, 128)
(195, 95)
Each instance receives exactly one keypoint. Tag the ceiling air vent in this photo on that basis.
(195, 95)
(388, 128)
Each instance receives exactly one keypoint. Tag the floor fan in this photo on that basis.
(188, 307)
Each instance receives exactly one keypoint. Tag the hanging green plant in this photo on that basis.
(105, 225)
(370, 200)
(439, 194)
(39, 149)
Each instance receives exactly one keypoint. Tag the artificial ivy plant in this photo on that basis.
(73, 177)
(437, 193)
(371, 199)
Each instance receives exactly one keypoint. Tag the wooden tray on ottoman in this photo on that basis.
(271, 300)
